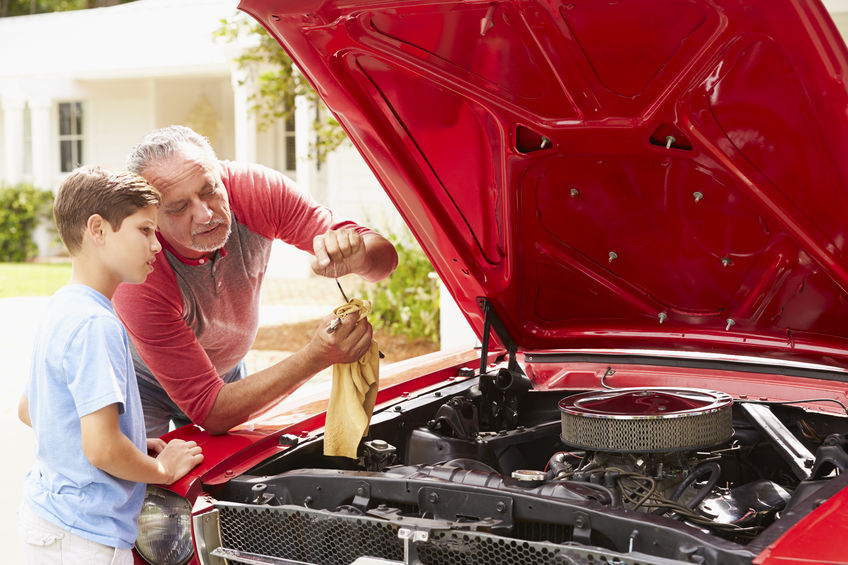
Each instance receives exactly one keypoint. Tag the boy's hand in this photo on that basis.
(178, 458)
(155, 446)
(108, 449)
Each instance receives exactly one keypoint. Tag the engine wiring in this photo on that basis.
(808, 431)
(640, 491)
(804, 401)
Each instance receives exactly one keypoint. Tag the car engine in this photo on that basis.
(487, 470)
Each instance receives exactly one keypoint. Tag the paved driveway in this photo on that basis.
(282, 301)
(20, 317)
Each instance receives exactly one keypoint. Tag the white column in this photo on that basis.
(13, 139)
(42, 172)
(245, 119)
(454, 329)
(304, 137)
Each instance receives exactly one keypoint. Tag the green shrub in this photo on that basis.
(21, 207)
(407, 303)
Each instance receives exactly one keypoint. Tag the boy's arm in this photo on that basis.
(23, 410)
(111, 451)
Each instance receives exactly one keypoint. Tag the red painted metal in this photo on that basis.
(817, 539)
(638, 174)
(607, 174)
(251, 443)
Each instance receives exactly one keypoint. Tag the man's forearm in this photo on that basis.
(382, 257)
(239, 401)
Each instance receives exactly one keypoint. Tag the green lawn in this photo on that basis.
(32, 279)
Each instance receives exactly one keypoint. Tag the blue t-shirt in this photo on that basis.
(81, 363)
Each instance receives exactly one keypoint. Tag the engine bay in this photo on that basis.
(660, 473)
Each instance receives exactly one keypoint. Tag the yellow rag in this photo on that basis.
(353, 394)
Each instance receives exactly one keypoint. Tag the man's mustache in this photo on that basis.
(209, 226)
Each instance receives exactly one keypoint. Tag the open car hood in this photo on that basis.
(648, 174)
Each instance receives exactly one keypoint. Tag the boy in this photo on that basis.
(84, 494)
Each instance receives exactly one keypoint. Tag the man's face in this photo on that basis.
(195, 214)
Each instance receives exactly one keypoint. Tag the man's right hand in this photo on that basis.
(347, 343)
(178, 458)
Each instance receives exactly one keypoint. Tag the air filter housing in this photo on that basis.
(646, 420)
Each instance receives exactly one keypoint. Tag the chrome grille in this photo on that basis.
(285, 534)
(467, 548)
(306, 535)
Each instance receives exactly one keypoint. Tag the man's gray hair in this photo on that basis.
(164, 143)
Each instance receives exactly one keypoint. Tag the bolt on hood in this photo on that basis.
(653, 174)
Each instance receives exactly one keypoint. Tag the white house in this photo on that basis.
(85, 86)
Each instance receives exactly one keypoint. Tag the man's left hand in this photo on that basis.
(339, 252)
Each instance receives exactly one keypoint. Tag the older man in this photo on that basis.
(196, 316)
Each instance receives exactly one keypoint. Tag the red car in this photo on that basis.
(640, 207)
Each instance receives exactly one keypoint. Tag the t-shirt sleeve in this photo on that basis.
(272, 205)
(152, 314)
(96, 365)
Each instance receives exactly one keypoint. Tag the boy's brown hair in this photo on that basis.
(94, 190)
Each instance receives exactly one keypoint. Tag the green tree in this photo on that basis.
(278, 82)
(407, 303)
(28, 7)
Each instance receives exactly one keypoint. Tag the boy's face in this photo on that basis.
(131, 250)
(195, 213)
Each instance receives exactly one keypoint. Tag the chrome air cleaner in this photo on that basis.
(645, 420)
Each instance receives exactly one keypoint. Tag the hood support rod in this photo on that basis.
(492, 321)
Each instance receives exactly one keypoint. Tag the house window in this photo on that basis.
(70, 135)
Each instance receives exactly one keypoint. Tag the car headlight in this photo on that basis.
(164, 528)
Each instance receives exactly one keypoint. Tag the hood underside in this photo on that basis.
(652, 174)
